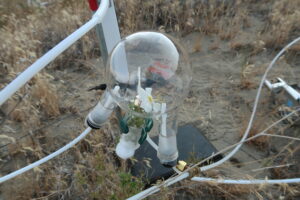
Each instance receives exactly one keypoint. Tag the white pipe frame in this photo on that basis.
(246, 182)
(45, 159)
(42, 62)
(38, 65)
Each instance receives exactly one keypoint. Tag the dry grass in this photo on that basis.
(283, 23)
(91, 170)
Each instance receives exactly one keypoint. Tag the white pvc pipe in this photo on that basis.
(246, 182)
(154, 189)
(228, 156)
(47, 158)
(38, 65)
(152, 143)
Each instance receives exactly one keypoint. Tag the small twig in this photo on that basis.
(230, 147)
(280, 136)
(278, 166)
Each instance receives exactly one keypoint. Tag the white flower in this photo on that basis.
(145, 97)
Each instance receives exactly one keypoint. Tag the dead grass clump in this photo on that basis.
(101, 175)
(233, 21)
(209, 190)
(284, 23)
(46, 98)
(265, 116)
(28, 36)
(246, 80)
(236, 45)
(18, 115)
(261, 142)
(138, 15)
(215, 45)
(222, 17)
(287, 160)
(197, 45)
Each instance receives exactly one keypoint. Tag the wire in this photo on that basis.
(58, 120)
(154, 189)
(228, 156)
(47, 158)
(246, 182)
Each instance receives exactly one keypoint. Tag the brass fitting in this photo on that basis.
(181, 165)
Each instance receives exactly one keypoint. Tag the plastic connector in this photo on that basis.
(167, 144)
(128, 143)
(102, 110)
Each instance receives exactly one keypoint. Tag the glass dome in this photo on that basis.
(151, 69)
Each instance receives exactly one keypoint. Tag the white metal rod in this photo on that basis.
(38, 65)
(154, 189)
(246, 182)
(47, 158)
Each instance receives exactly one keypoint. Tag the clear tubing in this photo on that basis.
(228, 156)
(149, 192)
(246, 182)
(154, 189)
(47, 158)
(38, 65)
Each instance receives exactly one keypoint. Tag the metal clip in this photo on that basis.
(281, 84)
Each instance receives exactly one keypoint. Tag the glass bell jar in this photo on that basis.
(152, 73)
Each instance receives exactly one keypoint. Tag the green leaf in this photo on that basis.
(143, 136)
(123, 126)
(148, 125)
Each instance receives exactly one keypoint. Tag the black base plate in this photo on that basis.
(192, 146)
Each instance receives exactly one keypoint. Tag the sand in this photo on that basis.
(219, 104)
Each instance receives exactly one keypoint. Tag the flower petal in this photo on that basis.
(148, 91)
(146, 106)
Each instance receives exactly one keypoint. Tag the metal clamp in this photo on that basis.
(281, 84)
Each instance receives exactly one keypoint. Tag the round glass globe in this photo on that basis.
(148, 60)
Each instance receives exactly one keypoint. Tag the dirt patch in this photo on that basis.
(230, 46)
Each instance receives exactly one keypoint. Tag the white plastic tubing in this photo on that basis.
(154, 189)
(246, 182)
(38, 65)
(47, 158)
(25, 76)
(228, 156)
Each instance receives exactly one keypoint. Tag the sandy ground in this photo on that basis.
(219, 103)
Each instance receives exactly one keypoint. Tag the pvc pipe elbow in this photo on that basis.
(102, 111)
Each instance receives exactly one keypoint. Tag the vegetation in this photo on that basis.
(49, 111)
